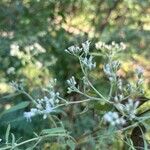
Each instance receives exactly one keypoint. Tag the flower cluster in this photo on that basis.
(118, 90)
(114, 119)
(16, 86)
(88, 62)
(14, 49)
(86, 47)
(120, 84)
(72, 84)
(118, 98)
(44, 106)
(137, 87)
(35, 47)
(129, 109)
(83, 54)
(74, 50)
(110, 70)
(112, 47)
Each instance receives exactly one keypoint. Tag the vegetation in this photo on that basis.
(74, 74)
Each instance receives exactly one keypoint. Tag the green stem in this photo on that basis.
(91, 97)
(111, 89)
(52, 120)
(75, 102)
(96, 91)
(32, 99)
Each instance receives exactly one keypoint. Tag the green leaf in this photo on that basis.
(102, 107)
(54, 131)
(29, 148)
(15, 108)
(7, 134)
(13, 139)
(8, 97)
(71, 144)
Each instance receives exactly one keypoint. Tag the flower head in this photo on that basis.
(30, 114)
(88, 62)
(43, 106)
(74, 50)
(72, 84)
(114, 119)
(86, 46)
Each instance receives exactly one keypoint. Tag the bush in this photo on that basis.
(116, 117)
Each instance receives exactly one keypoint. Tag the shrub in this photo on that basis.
(119, 112)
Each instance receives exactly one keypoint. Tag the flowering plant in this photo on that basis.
(122, 98)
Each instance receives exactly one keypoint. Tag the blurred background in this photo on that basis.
(34, 35)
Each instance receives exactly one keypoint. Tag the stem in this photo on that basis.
(52, 120)
(91, 97)
(32, 99)
(111, 89)
(97, 92)
(62, 99)
(75, 102)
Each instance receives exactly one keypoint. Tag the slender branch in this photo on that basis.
(29, 96)
(96, 91)
(74, 102)
(111, 89)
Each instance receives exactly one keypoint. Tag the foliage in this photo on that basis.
(122, 99)
(33, 36)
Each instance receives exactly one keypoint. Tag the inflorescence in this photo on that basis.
(124, 111)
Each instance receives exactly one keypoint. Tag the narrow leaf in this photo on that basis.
(7, 134)
(16, 107)
(54, 131)
(13, 139)
(71, 144)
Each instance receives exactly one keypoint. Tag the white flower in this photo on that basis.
(39, 48)
(16, 86)
(86, 46)
(72, 84)
(120, 106)
(14, 49)
(48, 109)
(129, 108)
(87, 62)
(113, 46)
(108, 117)
(107, 69)
(29, 115)
(114, 119)
(0, 140)
(11, 70)
(110, 70)
(116, 99)
(71, 81)
(44, 106)
(123, 46)
(74, 50)
(99, 45)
